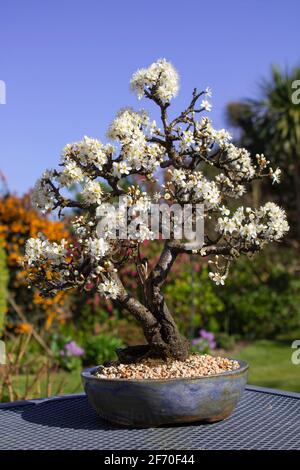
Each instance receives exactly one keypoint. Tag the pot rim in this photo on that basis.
(88, 374)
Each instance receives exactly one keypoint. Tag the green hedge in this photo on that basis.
(262, 296)
(260, 299)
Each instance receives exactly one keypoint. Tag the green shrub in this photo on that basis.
(193, 301)
(262, 298)
(225, 341)
(100, 348)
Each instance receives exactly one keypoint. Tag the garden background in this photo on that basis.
(64, 74)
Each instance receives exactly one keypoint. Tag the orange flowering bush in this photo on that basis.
(18, 221)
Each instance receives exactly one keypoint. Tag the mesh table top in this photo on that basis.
(264, 419)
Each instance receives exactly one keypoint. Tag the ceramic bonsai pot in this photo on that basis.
(149, 402)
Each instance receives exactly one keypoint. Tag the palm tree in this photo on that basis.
(271, 125)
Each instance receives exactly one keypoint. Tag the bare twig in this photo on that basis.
(35, 334)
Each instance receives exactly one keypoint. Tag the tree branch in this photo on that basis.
(141, 313)
(214, 249)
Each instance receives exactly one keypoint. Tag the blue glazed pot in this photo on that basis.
(147, 403)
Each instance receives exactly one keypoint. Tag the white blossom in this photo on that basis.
(56, 251)
(197, 188)
(157, 196)
(153, 129)
(208, 92)
(239, 162)
(224, 210)
(226, 225)
(92, 192)
(120, 169)
(109, 289)
(97, 247)
(140, 232)
(239, 215)
(187, 140)
(71, 174)
(208, 191)
(178, 176)
(43, 194)
(146, 158)
(130, 129)
(218, 278)
(277, 224)
(33, 250)
(160, 78)
(206, 105)
(142, 204)
(249, 231)
(275, 175)
(261, 160)
(256, 225)
(88, 151)
(127, 125)
(222, 136)
(36, 248)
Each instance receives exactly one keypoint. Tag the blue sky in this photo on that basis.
(67, 64)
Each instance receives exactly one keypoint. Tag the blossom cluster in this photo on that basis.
(161, 79)
(86, 152)
(268, 223)
(37, 249)
(131, 129)
(239, 163)
(193, 186)
(109, 289)
(203, 136)
(67, 269)
(43, 195)
(248, 230)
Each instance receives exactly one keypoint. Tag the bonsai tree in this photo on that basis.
(192, 163)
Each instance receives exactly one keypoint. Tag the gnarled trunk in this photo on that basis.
(170, 344)
(160, 330)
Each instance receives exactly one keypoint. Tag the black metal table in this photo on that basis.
(264, 419)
